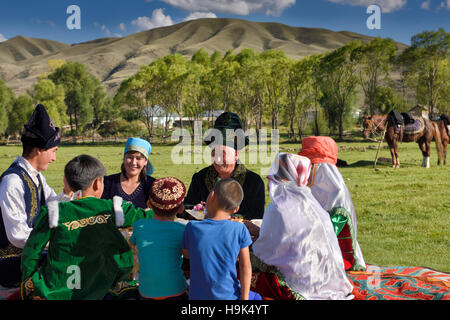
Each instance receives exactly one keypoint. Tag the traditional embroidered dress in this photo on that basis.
(297, 236)
(329, 188)
(252, 206)
(87, 254)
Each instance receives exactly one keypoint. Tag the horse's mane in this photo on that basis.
(446, 119)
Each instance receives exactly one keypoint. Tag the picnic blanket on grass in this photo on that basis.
(400, 283)
(376, 283)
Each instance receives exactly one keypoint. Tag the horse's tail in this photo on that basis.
(438, 140)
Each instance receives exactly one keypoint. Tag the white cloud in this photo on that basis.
(122, 27)
(158, 19)
(425, 5)
(103, 28)
(239, 7)
(2, 38)
(446, 4)
(39, 21)
(386, 5)
(199, 15)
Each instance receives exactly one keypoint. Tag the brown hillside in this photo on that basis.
(113, 60)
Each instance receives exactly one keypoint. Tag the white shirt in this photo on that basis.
(12, 193)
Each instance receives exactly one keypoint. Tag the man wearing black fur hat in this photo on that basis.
(23, 190)
(225, 164)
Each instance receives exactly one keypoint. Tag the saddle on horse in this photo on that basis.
(411, 125)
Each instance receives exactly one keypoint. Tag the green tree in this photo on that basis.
(249, 88)
(135, 93)
(211, 87)
(225, 72)
(276, 79)
(426, 61)
(443, 100)
(195, 103)
(176, 84)
(98, 102)
(375, 59)
(338, 82)
(387, 99)
(79, 86)
(52, 97)
(303, 93)
(6, 100)
(23, 109)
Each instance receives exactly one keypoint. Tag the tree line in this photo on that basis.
(321, 91)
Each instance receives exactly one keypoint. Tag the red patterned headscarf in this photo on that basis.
(167, 194)
(320, 149)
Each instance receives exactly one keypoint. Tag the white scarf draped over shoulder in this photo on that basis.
(329, 188)
(297, 235)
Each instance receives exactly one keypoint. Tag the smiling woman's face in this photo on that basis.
(134, 162)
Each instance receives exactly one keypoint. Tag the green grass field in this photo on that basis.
(403, 214)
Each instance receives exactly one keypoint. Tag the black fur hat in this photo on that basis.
(228, 121)
(40, 131)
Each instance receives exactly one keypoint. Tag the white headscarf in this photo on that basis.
(297, 235)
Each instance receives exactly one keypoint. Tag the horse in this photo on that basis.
(444, 130)
(423, 137)
(378, 123)
(373, 125)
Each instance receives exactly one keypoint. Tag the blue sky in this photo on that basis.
(400, 19)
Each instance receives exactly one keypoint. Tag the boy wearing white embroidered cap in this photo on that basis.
(87, 254)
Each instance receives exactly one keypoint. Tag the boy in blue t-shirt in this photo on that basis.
(158, 242)
(213, 246)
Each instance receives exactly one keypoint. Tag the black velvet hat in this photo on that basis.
(40, 131)
(228, 132)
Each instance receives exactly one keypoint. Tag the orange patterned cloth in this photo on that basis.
(320, 149)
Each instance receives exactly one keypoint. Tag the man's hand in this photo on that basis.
(67, 190)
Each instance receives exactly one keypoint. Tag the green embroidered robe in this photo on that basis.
(87, 254)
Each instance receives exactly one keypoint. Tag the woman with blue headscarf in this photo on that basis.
(133, 183)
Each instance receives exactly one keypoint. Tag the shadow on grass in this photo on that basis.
(369, 164)
(384, 163)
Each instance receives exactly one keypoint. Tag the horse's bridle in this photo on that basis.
(374, 130)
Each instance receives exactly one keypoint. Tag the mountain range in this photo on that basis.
(113, 60)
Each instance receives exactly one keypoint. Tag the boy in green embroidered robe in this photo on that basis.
(87, 254)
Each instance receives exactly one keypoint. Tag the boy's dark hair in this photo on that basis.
(229, 194)
(166, 213)
(81, 171)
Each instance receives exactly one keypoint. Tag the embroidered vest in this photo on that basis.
(32, 206)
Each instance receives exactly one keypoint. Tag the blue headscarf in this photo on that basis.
(142, 146)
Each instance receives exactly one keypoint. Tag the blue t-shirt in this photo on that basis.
(213, 247)
(160, 257)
